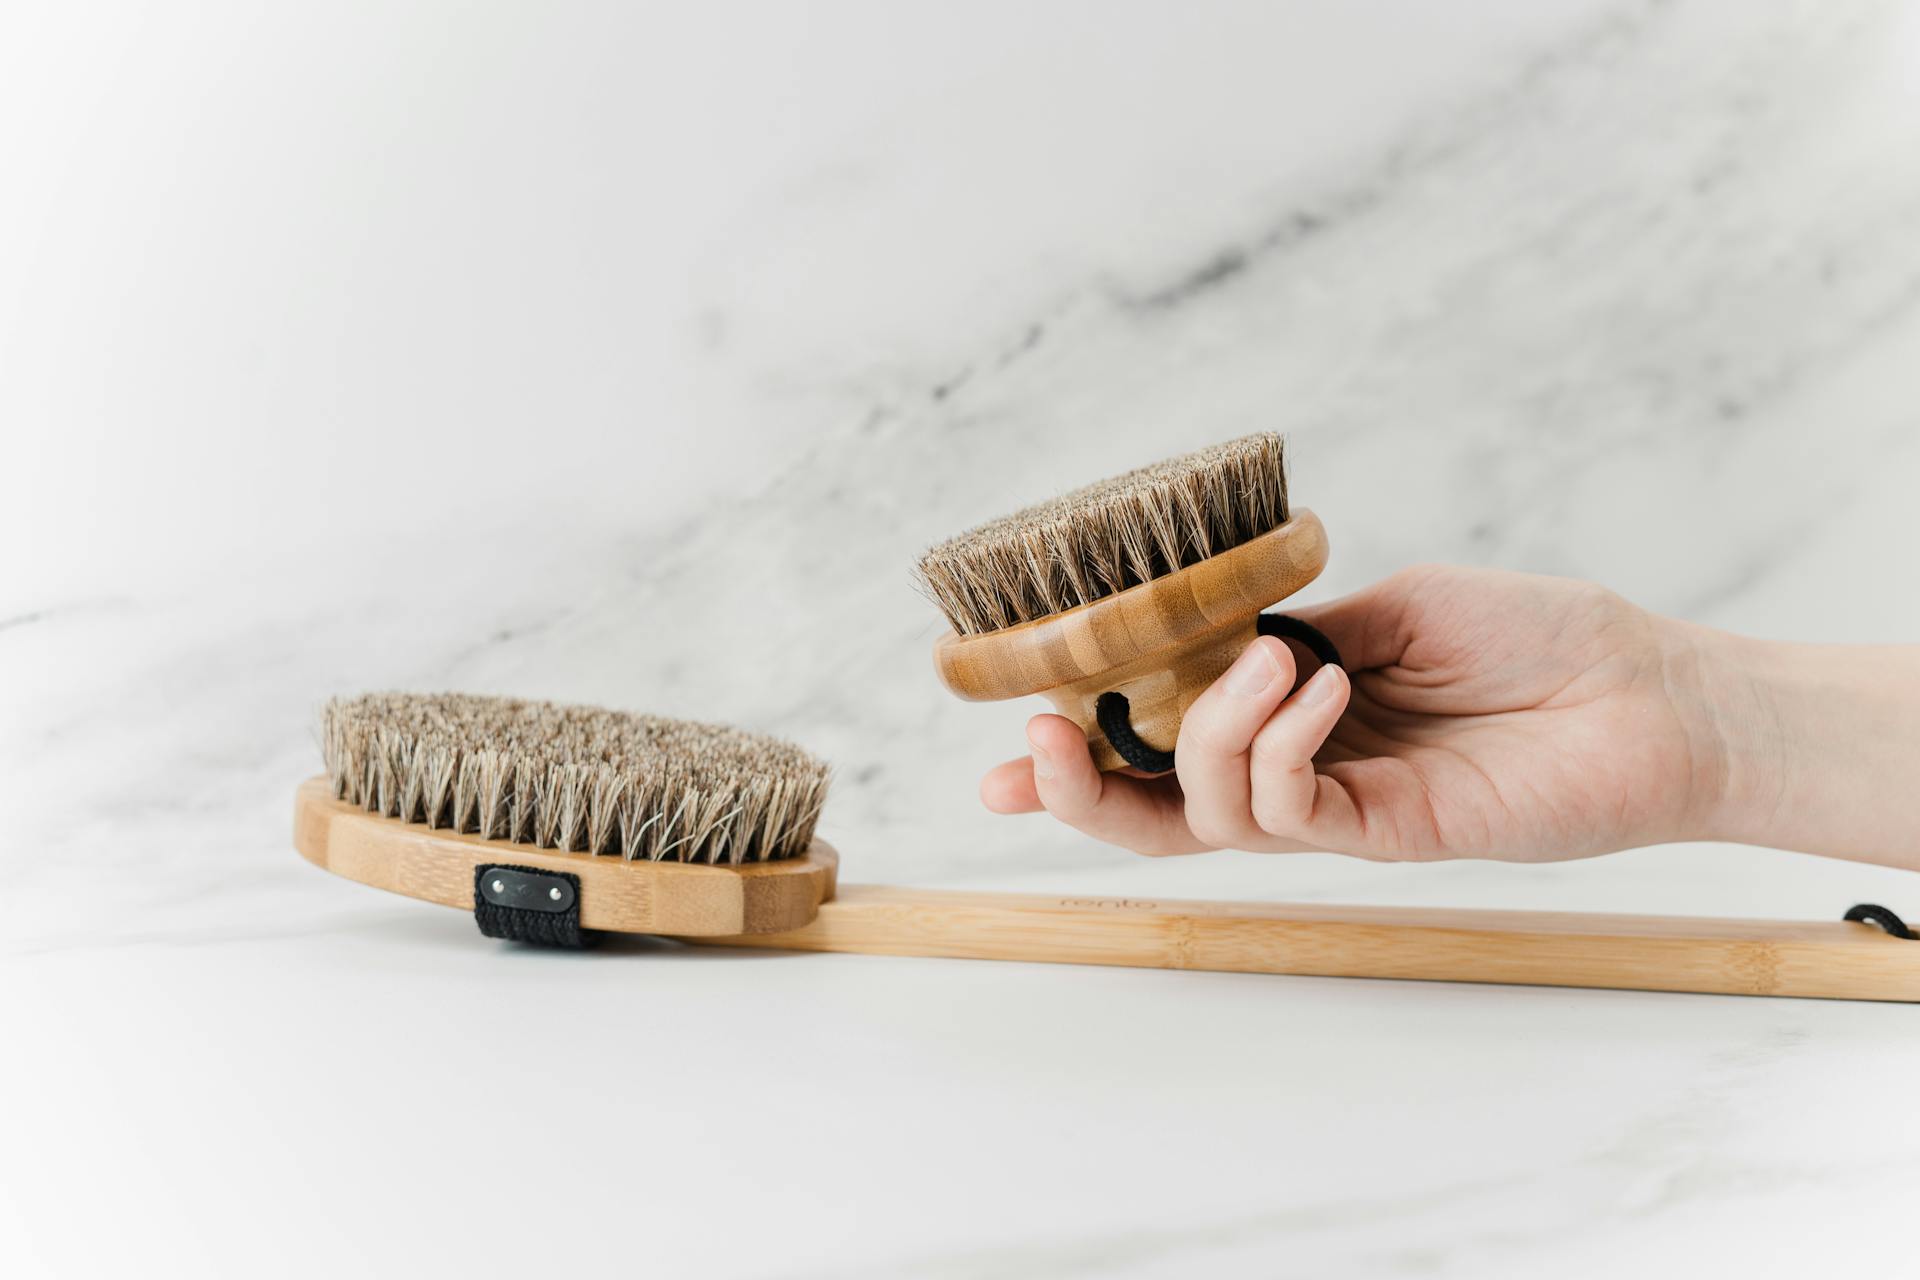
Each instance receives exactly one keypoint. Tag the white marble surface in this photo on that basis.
(630, 357)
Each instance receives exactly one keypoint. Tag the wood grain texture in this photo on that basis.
(682, 899)
(1649, 953)
(1160, 643)
(796, 905)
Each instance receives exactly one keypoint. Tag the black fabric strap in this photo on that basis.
(1874, 913)
(1114, 713)
(546, 928)
(1287, 628)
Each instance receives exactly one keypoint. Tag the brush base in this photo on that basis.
(1160, 643)
(680, 898)
(1158, 690)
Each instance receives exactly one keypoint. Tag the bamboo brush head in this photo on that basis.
(1147, 585)
(574, 778)
(1107, 537)
(671, 826)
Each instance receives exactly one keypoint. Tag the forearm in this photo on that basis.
(1818, 746)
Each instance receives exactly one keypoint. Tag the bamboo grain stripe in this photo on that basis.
(1114, 712)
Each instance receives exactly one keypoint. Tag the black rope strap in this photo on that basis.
(1286, 628)
(1874, 913)
(1114, 713)
(526, 904)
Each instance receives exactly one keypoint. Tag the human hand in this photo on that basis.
(1488, 714)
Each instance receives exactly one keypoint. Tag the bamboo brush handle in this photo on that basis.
(1649, 953)
(780, 904)
(1159, 644)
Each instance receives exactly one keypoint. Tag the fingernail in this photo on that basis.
(1042, 762)
(1252, 672)
(1319, 688)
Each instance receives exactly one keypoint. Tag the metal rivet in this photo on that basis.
(554, 893)
(499, 886)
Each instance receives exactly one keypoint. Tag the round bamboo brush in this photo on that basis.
(551, 823)
(1123, 601)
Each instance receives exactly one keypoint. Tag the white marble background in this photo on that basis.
(629, 355)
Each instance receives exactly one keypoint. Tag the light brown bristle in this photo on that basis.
(1107, 537)
(574, 778)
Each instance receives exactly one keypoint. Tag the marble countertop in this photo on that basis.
(630, 358)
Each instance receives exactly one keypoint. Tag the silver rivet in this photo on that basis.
(499, 886)
(554, 893)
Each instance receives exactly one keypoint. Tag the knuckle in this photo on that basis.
(1066, 814)
(1220, 830)
(1270, 754)
(1202, 734)
(1067, 808)
(1278, 811)
(1204, 829)
(1418, 573)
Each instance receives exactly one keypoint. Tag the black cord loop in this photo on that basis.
(1114, 712)
(1874, 913)
(1290, 628)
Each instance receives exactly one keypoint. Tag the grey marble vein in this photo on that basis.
(1621, 290)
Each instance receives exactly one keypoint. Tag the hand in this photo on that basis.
(1488, 714)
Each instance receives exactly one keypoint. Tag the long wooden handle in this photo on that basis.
(1649, 953)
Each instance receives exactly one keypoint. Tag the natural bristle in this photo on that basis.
(574, 778)
(1107, 537)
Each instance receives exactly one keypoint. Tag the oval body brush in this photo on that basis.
(650, 825)
(1123, 601)
(550, 823)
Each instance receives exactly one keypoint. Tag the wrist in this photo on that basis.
(1808, 747)
(1725, 696)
